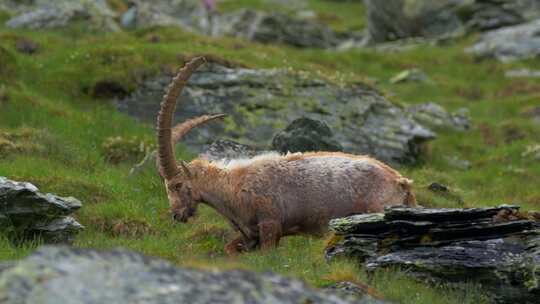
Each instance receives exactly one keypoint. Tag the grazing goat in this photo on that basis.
(271, 195)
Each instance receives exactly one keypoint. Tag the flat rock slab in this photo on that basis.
(68, 275)
(26, 213)
(262, 102)
(497, 247)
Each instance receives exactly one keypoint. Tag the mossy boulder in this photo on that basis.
(260, 103)
(71, 275)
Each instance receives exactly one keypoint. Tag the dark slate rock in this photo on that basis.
(261, 102)
(26, 213)
(497, 248)
(69, 275)
(304, 135)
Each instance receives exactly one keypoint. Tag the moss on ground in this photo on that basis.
(51, 93)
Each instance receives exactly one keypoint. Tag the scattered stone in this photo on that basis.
(224, 149)
(305, 135)
(435, 116)
(40, 14)
(458, 163)
(522, 73)
(399, 19)
(71, 275)
(509, 43)
(31, 214)
(365, 293)
(497, 248)
(261, 102)
(26, 46)
(412, 75)
(446, 192)
(487, 15)
(532, 151)
(277, 28)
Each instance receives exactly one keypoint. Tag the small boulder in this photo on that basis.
(434, 115)
(509, 43)
(304, 135)
(28, 213)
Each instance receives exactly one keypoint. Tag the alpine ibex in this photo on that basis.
(272, 195)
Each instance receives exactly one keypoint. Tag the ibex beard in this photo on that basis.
(272, 195)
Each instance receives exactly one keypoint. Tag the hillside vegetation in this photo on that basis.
(54, 133)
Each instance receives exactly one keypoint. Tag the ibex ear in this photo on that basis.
(185, 168)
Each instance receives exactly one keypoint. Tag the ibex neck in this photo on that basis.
(215, 190)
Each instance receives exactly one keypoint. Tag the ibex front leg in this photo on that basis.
(269, 234)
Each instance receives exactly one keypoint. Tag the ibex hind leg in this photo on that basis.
(269, 234)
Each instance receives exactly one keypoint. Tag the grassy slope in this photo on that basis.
(63, 129)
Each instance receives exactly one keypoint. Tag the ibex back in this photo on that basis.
(272, 195)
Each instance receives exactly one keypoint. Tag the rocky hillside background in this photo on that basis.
(448, 93)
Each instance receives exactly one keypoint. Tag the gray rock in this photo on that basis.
(435, 116)
(41, 14)
(486, 15)
(261, 102)
(188, 14)
(304, 135)
(522, 73)
(399, 19)
(497, 248)
(223, 149)
(510, 43)
(277, 28)
(69, 275)
(350, 288)
(27, 213)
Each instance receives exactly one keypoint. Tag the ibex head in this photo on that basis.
(183, 194)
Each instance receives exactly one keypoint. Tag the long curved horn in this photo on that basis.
(182, 129)
(164, 121)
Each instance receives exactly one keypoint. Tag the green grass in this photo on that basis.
(48, 98)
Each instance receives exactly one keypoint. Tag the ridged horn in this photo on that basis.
(167, 161)
(183, 128)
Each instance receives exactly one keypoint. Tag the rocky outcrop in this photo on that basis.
(399, 19)
(40, 14)
(262, 102)
(510, 43)
(498, 248)
(304, 135)
(25, 214)
(69, 275)
(188, 14)
(277, 28)
(435, 116)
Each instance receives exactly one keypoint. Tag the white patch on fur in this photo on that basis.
(229, 164)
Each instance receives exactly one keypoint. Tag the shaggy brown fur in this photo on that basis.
(273, 195)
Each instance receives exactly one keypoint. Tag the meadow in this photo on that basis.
(53, 129)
